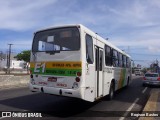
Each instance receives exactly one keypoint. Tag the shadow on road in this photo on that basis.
(48, 105)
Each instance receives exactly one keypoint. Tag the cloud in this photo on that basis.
(28, 14)
(148, 45)
(22, 15)
(154, 49)
(135, 13)
(155, 3)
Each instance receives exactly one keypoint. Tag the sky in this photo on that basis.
(131, 25)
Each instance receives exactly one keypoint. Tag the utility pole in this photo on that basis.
(1, 55)
(157, 66)
(9, 58)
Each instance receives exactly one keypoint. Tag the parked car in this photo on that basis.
(151, 79)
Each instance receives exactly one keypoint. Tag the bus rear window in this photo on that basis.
(60, 39)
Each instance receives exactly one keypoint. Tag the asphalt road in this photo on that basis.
(132, 98)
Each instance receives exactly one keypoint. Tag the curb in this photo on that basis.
(6, 75)
(12, 87)
(151, 105)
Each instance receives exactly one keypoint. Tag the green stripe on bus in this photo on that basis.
(58, 72)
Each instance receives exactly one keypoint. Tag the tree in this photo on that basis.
(25, 56)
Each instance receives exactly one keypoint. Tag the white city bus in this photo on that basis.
(74, 61)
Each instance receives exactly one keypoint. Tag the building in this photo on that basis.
(14, 64)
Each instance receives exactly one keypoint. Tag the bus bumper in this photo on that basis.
(57, 91)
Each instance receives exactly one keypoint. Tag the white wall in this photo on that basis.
(17, 64)
(14, 64)
(3, 63)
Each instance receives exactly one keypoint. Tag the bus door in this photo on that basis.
(99, 70)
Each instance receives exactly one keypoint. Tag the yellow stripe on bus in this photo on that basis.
(64, 65)
(120, 80)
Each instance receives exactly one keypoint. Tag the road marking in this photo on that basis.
(144, 90)
(129, 109)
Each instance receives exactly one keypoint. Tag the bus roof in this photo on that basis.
(93, 34)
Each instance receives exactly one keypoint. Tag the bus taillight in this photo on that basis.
(77, 79)
(78, 74)
(158, 78)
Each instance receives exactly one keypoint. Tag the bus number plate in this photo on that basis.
(52, 79)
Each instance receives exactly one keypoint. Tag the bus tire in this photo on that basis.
(111, 91)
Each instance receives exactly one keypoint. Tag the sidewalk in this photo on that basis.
(9, 81)
(153, 106)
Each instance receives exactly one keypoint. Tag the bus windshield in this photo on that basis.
(56, 40)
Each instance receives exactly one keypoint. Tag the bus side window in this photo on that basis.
(124, 60)
(108, 56)
(89, 49)
(120, 60)
(127, 62)
(115, 58)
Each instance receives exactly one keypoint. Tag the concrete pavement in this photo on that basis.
(153, 106)
(10, 81)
